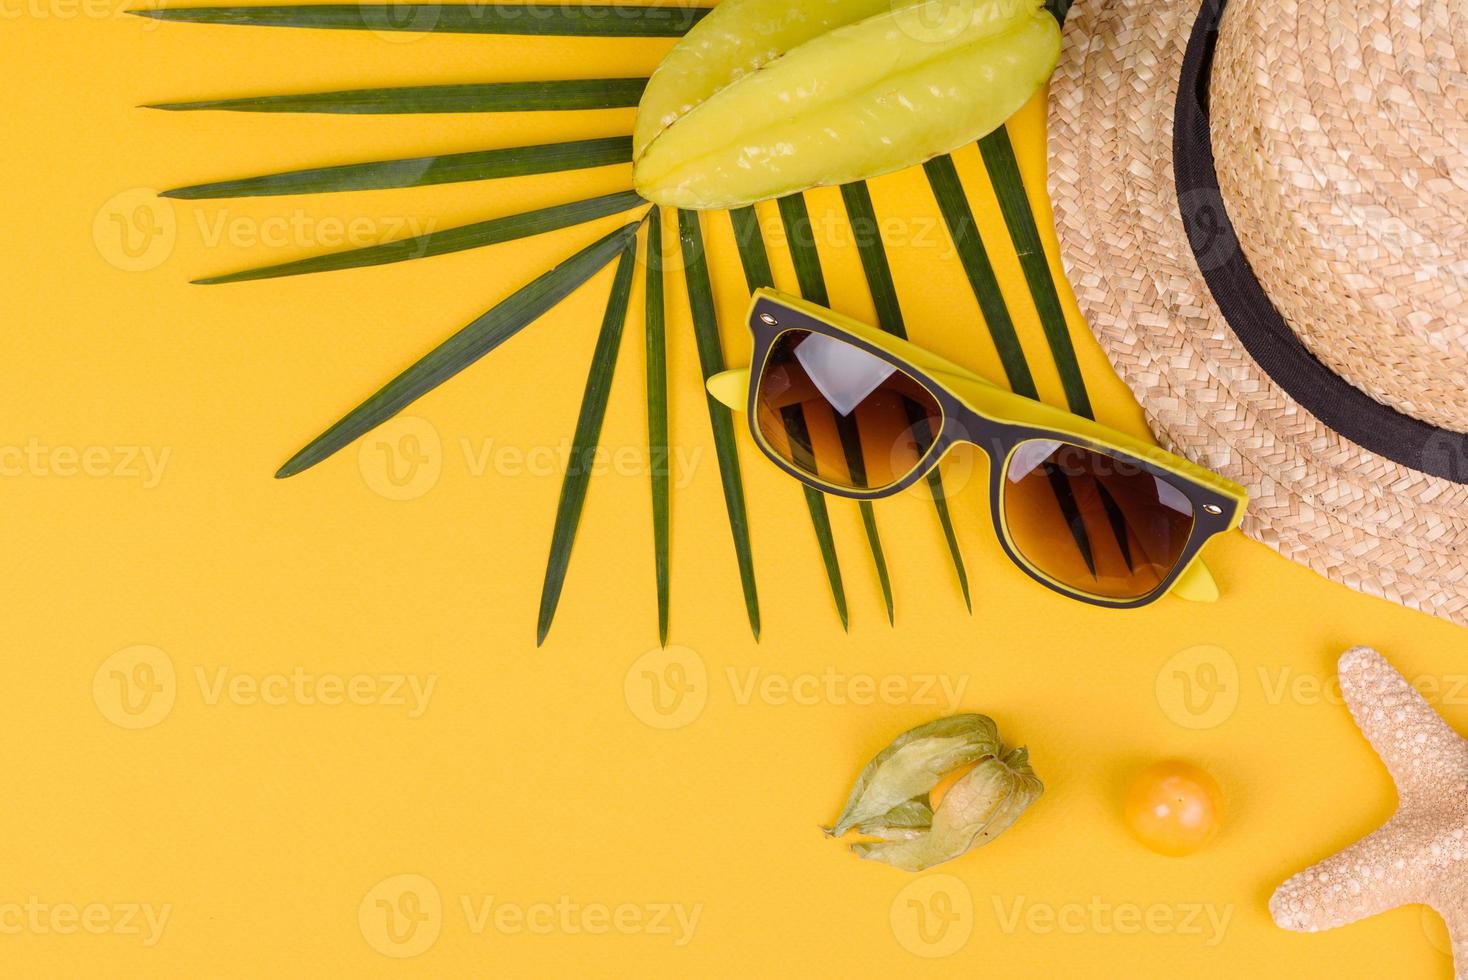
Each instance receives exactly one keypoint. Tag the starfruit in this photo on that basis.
(890, 798)
(762, 99)
(738, 37)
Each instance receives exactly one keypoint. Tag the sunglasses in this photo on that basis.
(1088, 511)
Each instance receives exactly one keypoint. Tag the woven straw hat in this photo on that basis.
(1263, 208)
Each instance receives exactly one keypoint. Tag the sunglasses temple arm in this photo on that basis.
(730, 388)
(1196, 583)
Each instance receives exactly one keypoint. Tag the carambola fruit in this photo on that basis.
(763, 99)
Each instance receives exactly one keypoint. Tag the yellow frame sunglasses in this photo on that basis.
(969, 409)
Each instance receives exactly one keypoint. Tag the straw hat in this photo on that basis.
(1263, 208)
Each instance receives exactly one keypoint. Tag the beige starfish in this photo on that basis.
(1420, 855)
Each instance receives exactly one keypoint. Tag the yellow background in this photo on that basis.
(536, 775)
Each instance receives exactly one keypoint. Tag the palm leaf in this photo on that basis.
(863, 218)
(532, 300)
(657, 414)
(800, 233)
(477, 235)
(594, 93)
(757, 273)
(584, 442)
(499, 324)
(750, 241)
(820, 521)
(1009, 188)
(711, 361)
(449, 168)
(562, 19)
(961, 226)
(964, 230)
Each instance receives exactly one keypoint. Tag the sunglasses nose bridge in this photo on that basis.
(962, 425)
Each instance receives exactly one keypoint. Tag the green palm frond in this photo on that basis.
(755, 259)
(800, 233)
(477, 235)
(584, 442)
(560, 20)
(554, 96)
(1009, 188)
(711, 360)
(499, 324)
(535, 298)
(958, 215)
(862, 216)
(448, 168)
(657, 415)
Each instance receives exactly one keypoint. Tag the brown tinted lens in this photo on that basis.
(838, 413)
(1095, 523)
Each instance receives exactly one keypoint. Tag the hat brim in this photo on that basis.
(1316, 497)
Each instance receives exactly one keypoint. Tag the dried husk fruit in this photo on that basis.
(890, 798)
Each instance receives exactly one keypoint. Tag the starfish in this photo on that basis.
(1420, 855)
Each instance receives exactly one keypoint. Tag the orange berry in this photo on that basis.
(936, 794)
(1174, 808)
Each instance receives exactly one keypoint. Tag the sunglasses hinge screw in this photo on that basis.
(769, 319)
(1213, 509)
